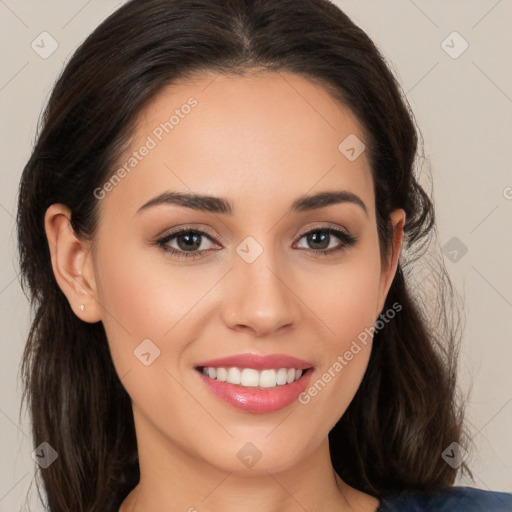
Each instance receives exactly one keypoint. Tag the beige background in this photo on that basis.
(464, 109)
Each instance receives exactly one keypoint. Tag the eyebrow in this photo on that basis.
(221, 205)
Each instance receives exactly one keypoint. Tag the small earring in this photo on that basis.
(82, 307)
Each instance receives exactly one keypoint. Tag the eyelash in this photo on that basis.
(346, 239)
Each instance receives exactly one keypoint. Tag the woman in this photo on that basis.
(193, 348)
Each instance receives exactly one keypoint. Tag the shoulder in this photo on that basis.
(452, 499)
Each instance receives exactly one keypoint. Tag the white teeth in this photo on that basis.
(249, 377)
(268, 378)
(281, 375)
(234, 376)
(222, 374)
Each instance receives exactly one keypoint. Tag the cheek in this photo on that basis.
(136, 300)
(348, 309)
(141, 290)
(346, 296)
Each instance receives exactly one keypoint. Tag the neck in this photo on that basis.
(173, 479)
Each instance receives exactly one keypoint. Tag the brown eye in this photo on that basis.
(319, 240)
(188, 243)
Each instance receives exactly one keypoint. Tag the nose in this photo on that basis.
(259, 298)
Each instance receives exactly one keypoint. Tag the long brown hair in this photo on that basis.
(407, 409)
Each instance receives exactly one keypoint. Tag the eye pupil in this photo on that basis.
(312, 237)
(194, 238)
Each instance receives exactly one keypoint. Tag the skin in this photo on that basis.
(261, 142)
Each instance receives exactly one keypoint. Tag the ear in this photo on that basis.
(389, 268)
(72, 263)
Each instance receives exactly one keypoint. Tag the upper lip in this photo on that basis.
(258, 362)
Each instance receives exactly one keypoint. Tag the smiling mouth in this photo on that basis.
(252, 378)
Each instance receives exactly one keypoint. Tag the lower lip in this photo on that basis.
(258, 400)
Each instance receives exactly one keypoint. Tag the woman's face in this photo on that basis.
(256, 281)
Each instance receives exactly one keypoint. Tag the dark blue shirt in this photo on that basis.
(452, 499)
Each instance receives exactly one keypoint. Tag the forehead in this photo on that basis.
(271, 135)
